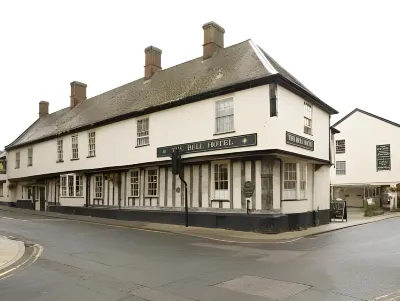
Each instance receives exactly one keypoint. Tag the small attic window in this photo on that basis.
(273, 100)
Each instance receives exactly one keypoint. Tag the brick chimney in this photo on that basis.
(152, 61)
(78, 93)
(43, 108)
(213, 39)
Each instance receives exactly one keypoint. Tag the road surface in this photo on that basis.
(84, 261)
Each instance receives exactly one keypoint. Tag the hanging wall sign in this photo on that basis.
(383, 160)
(299, 141)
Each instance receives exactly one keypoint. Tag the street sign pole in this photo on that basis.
(177, 170)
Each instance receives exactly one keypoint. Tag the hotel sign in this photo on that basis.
(383, 157)
(299, 141)
(210, 145)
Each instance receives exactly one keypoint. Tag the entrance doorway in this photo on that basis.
(42, 198)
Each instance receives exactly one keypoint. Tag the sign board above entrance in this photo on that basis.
(299, 141)
(210, 145)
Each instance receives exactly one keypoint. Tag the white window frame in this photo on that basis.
(60, 150)
(92, 144)
(340, 168)
(98, 187)
(213, 183)
(69, 187)
(30, 156)
(134, 186)
(297, 174)
(341, 146)
(308, 113)
(17, 160)
(223, 115)
(143, 135)
(147, 182)
(75, 147)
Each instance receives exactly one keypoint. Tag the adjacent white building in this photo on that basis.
(366, 161)
(236, 113)
(4, 198)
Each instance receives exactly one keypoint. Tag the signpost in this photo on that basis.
(383, 161)
(177, 170)
(248, 191)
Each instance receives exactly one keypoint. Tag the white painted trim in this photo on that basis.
(263, 59)
(146, 182)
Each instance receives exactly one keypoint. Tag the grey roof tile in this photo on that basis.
(231, 65)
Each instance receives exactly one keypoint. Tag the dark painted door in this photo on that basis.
(42, 199)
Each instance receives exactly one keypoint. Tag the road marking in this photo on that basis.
(389, 297)
(16, 219)
(38, 250)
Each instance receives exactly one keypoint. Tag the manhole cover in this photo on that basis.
(264, 287)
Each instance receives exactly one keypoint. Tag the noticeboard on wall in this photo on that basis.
(383, 160)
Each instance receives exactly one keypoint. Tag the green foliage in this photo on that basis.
(373, 209)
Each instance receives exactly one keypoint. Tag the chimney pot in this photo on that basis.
(152, 61)
(43, 108)
(213, 39)
(78, 93)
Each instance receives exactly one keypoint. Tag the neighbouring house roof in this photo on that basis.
(233, 68)
(334, 130)
(368, 114)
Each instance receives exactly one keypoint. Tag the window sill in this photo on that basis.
(142, 145)
(133, 197)
(294, 200)
(308, 134)
(74, 159)
(16, 167)
(151, 196)
(223, 133)
(91, 156)
(59, 161)
(29, 165)
(71, 197)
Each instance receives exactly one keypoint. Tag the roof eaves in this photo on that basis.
(368, 114)
(304, 93)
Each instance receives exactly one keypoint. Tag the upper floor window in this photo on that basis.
(143, 132)
(307, 119)
(17, 159)
(75, 151)
(340, 168)
(152, 181)
(340, 146)
(224, 116)
(71, 185)
(135, 183)
(92, 144)
(294, 181)
(273, 100)
(60, 150)
(30, 156)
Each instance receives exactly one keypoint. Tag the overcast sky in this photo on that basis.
(346, 52)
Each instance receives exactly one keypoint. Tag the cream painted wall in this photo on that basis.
(362, 133)
(116, 143)
(322, 188)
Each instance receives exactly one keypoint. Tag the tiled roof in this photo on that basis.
(232, 65)
(368, 114)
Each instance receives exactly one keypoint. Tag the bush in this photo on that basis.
(373, 209)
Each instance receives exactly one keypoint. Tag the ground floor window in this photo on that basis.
(71, 185)
(98, 187)
(294, 181)
(152, 182)
(1, 189)
(135, 180)
(221, 181)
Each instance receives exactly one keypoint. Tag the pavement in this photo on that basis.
(355, 218)
(92, 261)
(11, 251)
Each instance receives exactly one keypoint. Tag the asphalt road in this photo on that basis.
(83, 261)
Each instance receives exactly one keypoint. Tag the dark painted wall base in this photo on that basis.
(8, 204)
(264, 223)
